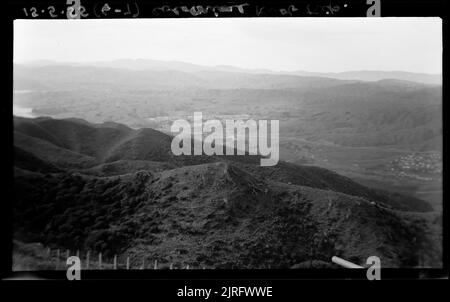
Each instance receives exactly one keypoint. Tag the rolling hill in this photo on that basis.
(97, 145)
(393, 113)
(110, 188)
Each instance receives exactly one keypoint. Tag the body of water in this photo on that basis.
(23, 111)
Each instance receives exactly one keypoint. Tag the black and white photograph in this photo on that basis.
(228, 143)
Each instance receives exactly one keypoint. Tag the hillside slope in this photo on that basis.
(216, 215)
(86, 146)
(218, 212)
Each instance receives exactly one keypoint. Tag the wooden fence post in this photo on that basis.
(58, 256)
(187, 267)
(87, 259)
(115, 261)
(100, 260)
(156, 264)
(171, 266)
(128, 262)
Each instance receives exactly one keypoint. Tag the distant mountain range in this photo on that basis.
(157, 65)
(73, 77)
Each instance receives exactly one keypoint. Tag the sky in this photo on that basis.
(281, 44)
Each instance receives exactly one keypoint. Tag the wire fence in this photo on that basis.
(97, 261)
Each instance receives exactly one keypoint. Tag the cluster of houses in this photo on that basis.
(429, 162)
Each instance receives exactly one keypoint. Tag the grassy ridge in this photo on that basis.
(223, 212)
